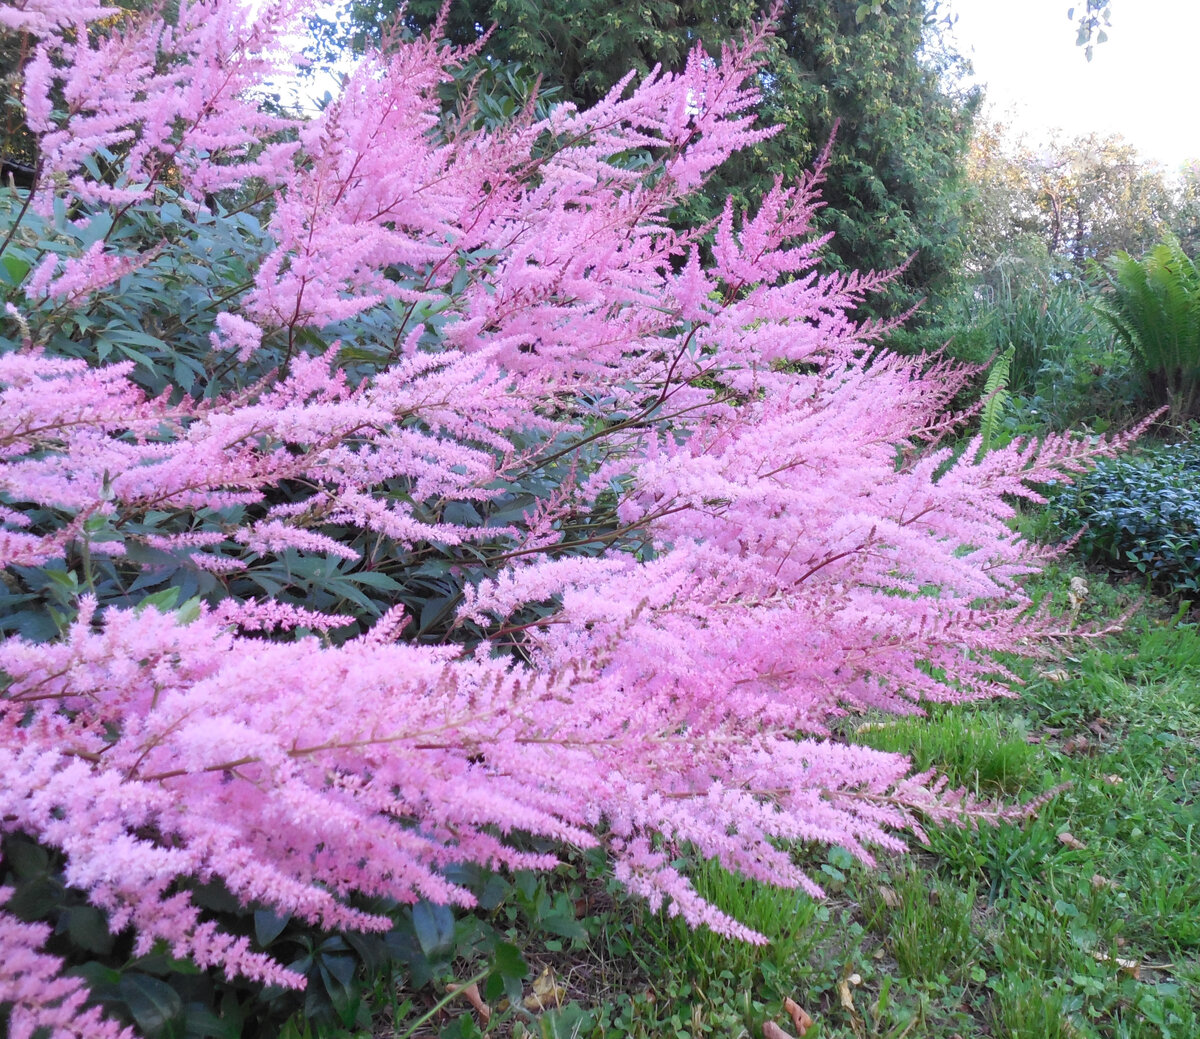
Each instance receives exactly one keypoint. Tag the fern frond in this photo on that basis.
(1154, 310)
(995, 395)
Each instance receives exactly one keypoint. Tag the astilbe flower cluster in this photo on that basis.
(788, 543)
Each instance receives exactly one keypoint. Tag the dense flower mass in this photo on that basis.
(671, 509)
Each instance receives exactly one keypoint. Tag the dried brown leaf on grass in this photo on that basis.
(471, 994)
(545, 992)
(1131, 967)
(846, 998)
(1078, 744)
(801, 1020)
(889, 897)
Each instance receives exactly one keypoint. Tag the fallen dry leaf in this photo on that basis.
(1071, 841)
(546, 992)
(1131, 967)
(1099, 882)
(847, 1001)
(844, 996)
(471, 994)
(1076, 745)
(772, 1031)
(1056, 675)
(889, 896)
(1077, 594)
(801, 1021)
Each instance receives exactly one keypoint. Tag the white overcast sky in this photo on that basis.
(1141, 84)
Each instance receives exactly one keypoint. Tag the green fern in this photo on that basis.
(995, 400)
(1154, 309)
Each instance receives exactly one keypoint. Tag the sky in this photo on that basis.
(1141, 83)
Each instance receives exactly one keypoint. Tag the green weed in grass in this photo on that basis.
(983, 751)
(793, 923)
(1024, 1010)
(925, 926)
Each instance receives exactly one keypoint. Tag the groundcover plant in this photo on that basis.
(382, 488)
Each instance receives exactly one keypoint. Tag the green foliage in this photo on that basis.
(1154, 309)
(159, 316)
(490, 93)
(791, 920)
(995, 397)
(1118, 721)
(1024, 1011)
(1065, 371)
(973, 749)
(1141, 514)
(1042, 318)
(1022, 303)
(1087, 386)
(1068, 202)
(1094, 17)
(352, 978)
(1185, 221)
(925, 926)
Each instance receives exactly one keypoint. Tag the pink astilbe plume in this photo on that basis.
(95, 269)
(170, 100)
(685, 513)
(84, 439)
(46, 17)
(37, 996)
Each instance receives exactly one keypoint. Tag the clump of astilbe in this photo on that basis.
(787, 568)
(38, 996)
(172, 99)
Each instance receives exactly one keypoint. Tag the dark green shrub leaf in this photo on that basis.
(434, 926)
(268, 926)
(25, 859)
(154, 1005)
(88, 928)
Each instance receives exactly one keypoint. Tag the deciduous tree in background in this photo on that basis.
(893, 182)
(1081, 201)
